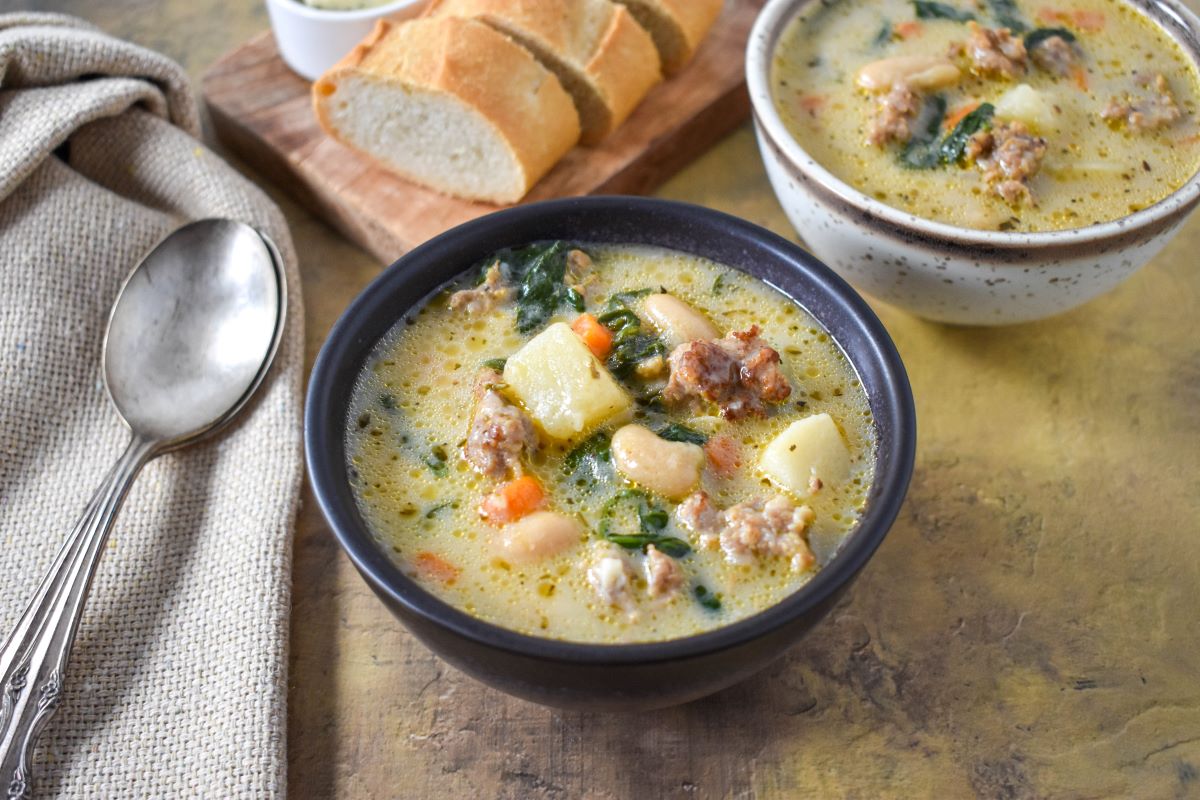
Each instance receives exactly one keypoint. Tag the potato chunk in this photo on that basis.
(1026, 104)
(808, 454)
(565, 389)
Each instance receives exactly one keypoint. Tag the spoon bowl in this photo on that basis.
(186, 346)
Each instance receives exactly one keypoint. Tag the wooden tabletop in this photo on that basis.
(1028, 629)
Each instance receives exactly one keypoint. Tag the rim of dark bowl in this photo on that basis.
(352, 339)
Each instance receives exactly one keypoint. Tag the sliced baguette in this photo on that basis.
(678, 26)
(451, 104)
(604, 58)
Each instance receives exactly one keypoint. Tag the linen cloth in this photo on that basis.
(176, 687)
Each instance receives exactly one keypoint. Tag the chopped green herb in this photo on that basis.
(1036, 37)
(954, 144)
(931, 9)
(436, 461)
(681, 433)
(631, 520)
(884, 36)
(589, 454)
(625, 299)
(496, 364)
(387, 400)
(922, 151)
(706, 598)
(1008, 15)
(719, 284)
(433, 512)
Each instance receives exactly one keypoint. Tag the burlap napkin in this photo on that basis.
(177, 685)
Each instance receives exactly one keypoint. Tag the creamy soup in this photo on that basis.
(610, 444)
(1025, 115)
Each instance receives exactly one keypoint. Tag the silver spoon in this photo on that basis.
(190, 338)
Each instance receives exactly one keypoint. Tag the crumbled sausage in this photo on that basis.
(739, 373)
(499, 432)
(752, 529)
(995, 51)
(1008, 155)
(484, 297)
(1055, 55)
(1151, 109)
(701, 517)
(609, 575)
(663, 574)
(892, 116)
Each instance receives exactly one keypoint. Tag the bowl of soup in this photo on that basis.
(609, 453)
(983, 162)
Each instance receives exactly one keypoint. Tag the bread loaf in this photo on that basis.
(678, 26)
(603, 57)
(452, 104)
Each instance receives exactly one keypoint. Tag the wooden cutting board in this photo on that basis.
(261, 111)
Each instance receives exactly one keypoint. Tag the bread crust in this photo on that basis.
(597, 41)
(479, 66)
(692, 20)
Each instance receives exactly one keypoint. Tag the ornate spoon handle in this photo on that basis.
(34, 658)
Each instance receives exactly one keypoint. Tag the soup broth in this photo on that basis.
(455, 520)
(1020, 115)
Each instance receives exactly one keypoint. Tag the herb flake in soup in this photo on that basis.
(1013, 115)
(604, 443)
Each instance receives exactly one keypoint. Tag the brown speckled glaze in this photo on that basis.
(940, 271)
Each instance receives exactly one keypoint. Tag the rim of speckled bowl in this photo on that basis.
(807, 282)
(1176, 20)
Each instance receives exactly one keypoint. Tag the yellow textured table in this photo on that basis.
(1029, 628)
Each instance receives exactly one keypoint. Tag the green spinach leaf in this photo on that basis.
(588, 456)
(631, 344)
(633, 521)
(922, 151)
(932, 9)
(706, 598)
(884, 36)
(1036, 37)
(1008, 15)
(681, 433)
(954, 144)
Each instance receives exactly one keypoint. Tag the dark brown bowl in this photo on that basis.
(627, 676)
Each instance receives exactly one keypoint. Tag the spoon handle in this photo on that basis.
(34, 658)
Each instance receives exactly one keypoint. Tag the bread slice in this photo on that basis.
(678, 26)
(603, 57)
(451, 104)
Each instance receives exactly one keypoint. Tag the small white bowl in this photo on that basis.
(939, 271)
(311, 40)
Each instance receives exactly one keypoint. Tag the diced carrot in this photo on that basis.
(956, 116)
(596, 336)
(1086, 20)
(1050, 15)
(435, 567)
(723, 453)
(909, 29)
(812, 103)
(513, 500)
(1079, 74)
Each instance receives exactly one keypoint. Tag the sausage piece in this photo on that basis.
(760, 527)
(1009, 156)
(500, 432)
(996, 52)
(739, 373)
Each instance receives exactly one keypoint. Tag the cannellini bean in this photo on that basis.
(919, 72)
(540, 535)
(677, 321)
(671, 469)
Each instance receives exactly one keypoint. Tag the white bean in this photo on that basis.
(677, 321)
(919, 72)
(671, 469)
(540, 535)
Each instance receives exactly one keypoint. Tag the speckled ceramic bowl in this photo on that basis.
(941, 271)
